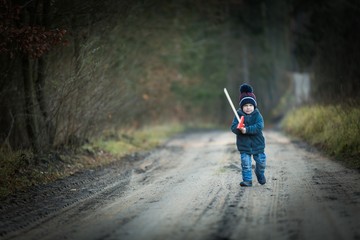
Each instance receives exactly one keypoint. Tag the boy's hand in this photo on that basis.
(241, 127)
(243, 130)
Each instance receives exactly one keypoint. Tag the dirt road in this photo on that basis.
(189, 189)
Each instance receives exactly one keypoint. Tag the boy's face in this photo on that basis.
(248, 108)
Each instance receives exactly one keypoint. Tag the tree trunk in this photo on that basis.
(49, 133)
(30, 113)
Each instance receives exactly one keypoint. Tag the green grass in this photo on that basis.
(333, 129)
(121, 143)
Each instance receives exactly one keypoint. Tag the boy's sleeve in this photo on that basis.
(257, 127)
(234, 124)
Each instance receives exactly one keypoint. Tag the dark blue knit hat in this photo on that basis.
(247, 95)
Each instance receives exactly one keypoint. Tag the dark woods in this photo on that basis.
(26, 37)
(70, 69)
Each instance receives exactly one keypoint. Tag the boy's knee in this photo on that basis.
(261, 158)
(246, 166)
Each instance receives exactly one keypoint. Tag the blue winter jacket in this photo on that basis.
(253, 141)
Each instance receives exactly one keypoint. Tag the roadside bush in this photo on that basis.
(334, 129)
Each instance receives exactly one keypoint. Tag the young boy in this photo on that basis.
(249, 139)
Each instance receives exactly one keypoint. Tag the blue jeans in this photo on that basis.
(260, 160)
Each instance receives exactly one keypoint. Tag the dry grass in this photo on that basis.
(334, 129)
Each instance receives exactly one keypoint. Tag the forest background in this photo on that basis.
(72, 70)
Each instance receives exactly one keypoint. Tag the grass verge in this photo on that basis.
(333, 129)
(22, 169)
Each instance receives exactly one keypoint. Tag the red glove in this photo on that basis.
(241, 123)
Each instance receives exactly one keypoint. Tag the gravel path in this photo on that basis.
(189, 189)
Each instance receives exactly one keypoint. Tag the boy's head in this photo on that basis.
(248, 108)
(247, 96)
